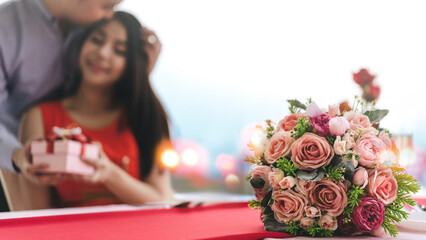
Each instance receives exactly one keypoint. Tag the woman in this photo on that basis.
(115, 105)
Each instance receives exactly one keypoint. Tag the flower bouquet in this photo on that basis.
(329, 172)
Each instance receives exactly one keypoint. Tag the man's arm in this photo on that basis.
(8, 142)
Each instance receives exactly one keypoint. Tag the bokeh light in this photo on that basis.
(252, 134)
(225, 163)
(189, 157)
(407, 157)
(194, 156)
(388, 158)
(170, 158)
(232, 181)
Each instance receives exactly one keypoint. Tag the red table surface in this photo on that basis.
(226, 221)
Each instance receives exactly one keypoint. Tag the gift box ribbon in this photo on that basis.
(74, 134)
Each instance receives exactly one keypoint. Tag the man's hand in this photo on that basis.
(33, 172)
(152, 47)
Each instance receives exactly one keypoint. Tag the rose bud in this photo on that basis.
(312, 212)
(288, 182)
(306, 222)
(363, 77)
(371, 92)
(327, 221)
(361, 177)
(333, 110)
(338, 126)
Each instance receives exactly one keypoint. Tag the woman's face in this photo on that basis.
(103, 55)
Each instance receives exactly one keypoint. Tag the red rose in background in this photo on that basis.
(371, 92)
(363, 77)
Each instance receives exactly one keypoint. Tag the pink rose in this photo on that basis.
(368, 214)
(306, 222)
(339, 146)
(368, 148)
(313, 110)
(350, 141)
(321, 123)
(289, 205)
(361, 177)
(329, 196)
(386, 139)
(311, 152)
(370, 131)
(333, 110)
(304, 186)
(278, 146)
(289, 122)
(288, 182)
(382, 185)
(328, 221)
(263, 173)
(275, 177)
(312, 212)
(357, 120)
(338, 126)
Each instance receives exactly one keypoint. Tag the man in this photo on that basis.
(34, 34)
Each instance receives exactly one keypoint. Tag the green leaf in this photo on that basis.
(377, 115)
(296, 105)
(354, 193)
(313, 176)
(254, 204)
(316, 231)
(301, 128)
(287, 166)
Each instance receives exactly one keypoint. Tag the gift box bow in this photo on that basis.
(75, 134)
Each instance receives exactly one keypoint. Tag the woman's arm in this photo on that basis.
(35, 196)
(128, 189)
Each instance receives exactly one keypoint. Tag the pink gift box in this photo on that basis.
(65, 157)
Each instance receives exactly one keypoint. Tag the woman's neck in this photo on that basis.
(92, 100)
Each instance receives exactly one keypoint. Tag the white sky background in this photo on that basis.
(226, 63)
(257, 54)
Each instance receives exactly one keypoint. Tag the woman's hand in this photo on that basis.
(34, 172)
(152, 47)
(103, 169)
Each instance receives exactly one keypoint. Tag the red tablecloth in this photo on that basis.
(227, 221)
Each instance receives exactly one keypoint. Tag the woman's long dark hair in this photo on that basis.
(144, 113)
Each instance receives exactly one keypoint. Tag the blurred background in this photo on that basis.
(227, 66)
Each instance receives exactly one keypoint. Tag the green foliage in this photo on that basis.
(294, 228)
(287, 166)
(254, 204)
(354, 193)
(331, 140)
(334, 173)
(407, 185)
(316, 231)
(296, 106)
(269, 129)
(377, 115)
(389, 227)
(349, 156)
(301, 128)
